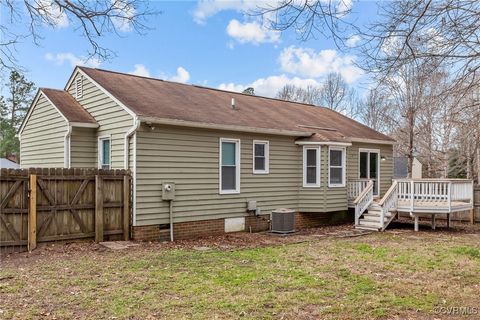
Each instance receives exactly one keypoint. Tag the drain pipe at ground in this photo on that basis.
(170, 202)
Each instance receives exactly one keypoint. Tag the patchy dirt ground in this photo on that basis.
(317, 273)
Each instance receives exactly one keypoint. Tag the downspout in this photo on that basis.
(66, 147)
(131, 133)
(128, 135)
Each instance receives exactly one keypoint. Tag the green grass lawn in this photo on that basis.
(381, 275)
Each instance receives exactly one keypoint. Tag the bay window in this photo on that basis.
(336, 167)
(311, 166)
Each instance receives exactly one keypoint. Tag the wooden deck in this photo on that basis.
(433, 207)
(414, 196)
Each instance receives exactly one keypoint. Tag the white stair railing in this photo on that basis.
(363, 201)
(355, 187)
(388, 202)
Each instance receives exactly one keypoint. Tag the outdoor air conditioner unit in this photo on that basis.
(283, 220)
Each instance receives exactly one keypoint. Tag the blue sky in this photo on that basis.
(208, 43)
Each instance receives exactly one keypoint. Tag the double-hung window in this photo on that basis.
(336, 167)
(311, 166)
(260, 157)
(104, 153)
(229, 166)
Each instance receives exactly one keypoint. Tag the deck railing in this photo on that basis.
(363, 201)
(434, 191)
(355, 187)
(388, 202)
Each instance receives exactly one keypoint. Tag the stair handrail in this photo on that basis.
(363, 201)
(389, 201)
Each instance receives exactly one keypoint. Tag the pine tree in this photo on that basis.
(13, 110)
(21, 93)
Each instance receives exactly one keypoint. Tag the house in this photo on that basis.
(213, 150)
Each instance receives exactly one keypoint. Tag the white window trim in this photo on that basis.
(377, 151)
(79, 84)
(318, 149)
(267, 156)
(237, 167)
(343, 166)
(99, 150)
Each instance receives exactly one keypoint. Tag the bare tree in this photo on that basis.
(375, 110)
(92, 19)
(337, 95)
(310, 94)
(308, 18)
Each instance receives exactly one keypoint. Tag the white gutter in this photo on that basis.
(66, 147)
(84, 125)
(130, 132)
(323, 143)
(373, 141)
(193, 124)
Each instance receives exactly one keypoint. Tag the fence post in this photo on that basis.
(32, 214)
(126, 207)
(98, 208)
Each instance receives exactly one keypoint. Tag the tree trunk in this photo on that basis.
(411, 133)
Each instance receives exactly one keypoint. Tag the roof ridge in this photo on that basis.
(203, 87)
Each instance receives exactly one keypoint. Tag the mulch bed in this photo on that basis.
(234, 241)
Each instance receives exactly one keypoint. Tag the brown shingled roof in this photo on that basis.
(68, 106)
(154, 98)
(323, 135)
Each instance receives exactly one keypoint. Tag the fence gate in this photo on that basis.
(40, 205)
(13, 211)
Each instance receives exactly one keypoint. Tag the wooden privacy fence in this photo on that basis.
(40, 205)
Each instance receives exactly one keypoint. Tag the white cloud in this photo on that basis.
(51, 12)
(253, 32)
(352, 41)
(61, 58)
(140, 70)
(344, 7)
(125, 12)
(182, 75)
(208, 8)
(271, 85)
(306, 62)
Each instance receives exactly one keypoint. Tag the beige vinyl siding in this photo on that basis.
(83, 148)
(42, 140)
(323, 198)
(386, 166)
(113, 120)
(190, 158)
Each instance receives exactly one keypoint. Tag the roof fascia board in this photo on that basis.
(84, 125)
(192, 124)
(373, 141)
(323, 143)
(106, 92)
(34, 104)
(29, 112)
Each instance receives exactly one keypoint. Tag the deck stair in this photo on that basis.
(371, 219)
(373, 215)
